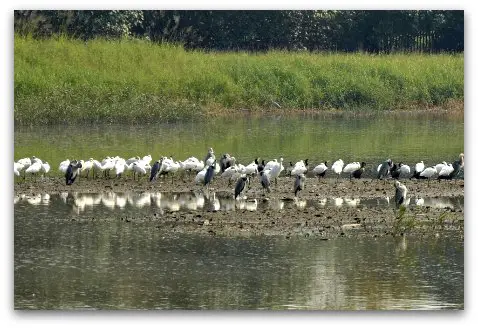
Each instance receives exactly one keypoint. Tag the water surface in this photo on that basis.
(404, 137)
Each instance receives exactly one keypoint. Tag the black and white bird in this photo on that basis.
(299, 183)
(351, 167)
(400, 193)
(240, 185)
(301, 167)
(320, 169)
(72, 172)
(428, 173)
(357, 174)
(384, 169)
(446, 172)
(209, 157)
(226, 161)
(458, 166)
(419, 167)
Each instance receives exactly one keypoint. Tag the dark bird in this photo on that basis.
(357, 174)
(458, 165)
(72, 172)
(299, 183)
(223, 162)
(400, 193)
(155, 171)
(384, 169)
(240, 185)
(395, 171)
(265, 181)
(289, 169)
(209, 174)
(260, 167)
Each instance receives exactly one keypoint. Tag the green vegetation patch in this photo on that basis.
(63, 80)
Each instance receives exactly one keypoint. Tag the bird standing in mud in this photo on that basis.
(265, 181)
(72, 172)
(240, 185)
(209, 174)
(400, 193)
(357, 174)
(209, 156)
(299, 183)
(384, 169)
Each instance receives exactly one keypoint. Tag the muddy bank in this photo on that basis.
(291, 219)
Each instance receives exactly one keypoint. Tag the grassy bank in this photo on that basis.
(72, 81)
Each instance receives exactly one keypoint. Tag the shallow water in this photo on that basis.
(113, 265)
(404, 137)
(60, 264)
(148, 203)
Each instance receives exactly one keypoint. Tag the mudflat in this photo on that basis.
(295, 217)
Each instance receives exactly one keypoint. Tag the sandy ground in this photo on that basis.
(312, 221)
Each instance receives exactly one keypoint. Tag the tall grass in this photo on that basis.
(62, 80)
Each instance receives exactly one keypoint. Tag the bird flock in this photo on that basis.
(228, 168)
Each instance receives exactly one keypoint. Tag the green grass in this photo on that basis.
(69, 81)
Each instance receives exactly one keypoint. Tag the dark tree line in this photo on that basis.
(259, 30)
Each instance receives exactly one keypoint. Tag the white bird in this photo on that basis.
(147, 159)
(337, 167)
(275, 170)
(87, 166)
(446, 171)
(26, 162)
(96, 167)
(400, 194)
(17, 168)
(64, 166)
(320, 169)
(404, 169)
(419, 167)
(120, 167)
(351, 167)
(45, 167)
(300, 167)
(107, 165)
(199, 179)
(439, 166)
(251, 169)
(138, 167)
(428, 173)
(34, 168)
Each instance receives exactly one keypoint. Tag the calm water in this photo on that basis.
(64, 264)
(403, 137)
(146, 203)
(61, 264)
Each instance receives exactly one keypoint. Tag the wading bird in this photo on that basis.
(240, 185)
(351, 167)
(320, 169)
(428, 173)
(357, 174)
(299, 183)
(400, 193)
(265, 181)
(209, 174)
(72, 172)
(337, 167)
(384, 169)
(419, 167)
